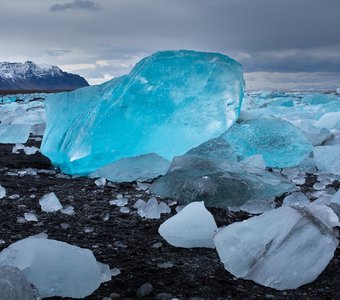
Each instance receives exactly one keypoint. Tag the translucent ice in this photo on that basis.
(219, 183)
(55, 268)
(170, 102)
(14, 285)
(282, 249)
(193, 226)
(327, 158)
(151, 209)
(2, 192)
(50, 203)
(296, 198)
(280, 143)
(14, 133)
(143, 167)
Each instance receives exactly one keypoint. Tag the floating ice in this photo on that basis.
(170, 102)
(327, 158)
(219, 183)
(55, 268)
(280, 143)
(282, 249)
(14, 285)
(193, 226)
(2, 192)
(143, 167)
(50, 203)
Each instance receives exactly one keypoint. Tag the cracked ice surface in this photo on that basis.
(170, 102)
(282, 249)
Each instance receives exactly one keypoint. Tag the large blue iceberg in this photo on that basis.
(170, 102)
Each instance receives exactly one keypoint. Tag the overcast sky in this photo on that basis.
(282, 44)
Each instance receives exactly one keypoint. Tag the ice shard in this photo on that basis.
(56, 268)
(170, 102)
(327, 158)
(219, 183)
(279, 142)
(283, 248)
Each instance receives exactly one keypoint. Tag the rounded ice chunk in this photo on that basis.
(170, 102)
(193, 226)
(55, 268)
(281, 144)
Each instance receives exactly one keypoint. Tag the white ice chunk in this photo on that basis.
(297, 198)
(282, 249)
(31, 217)
(100, 182)
(11, 134)
(55, 268)
(2, 192)
(30, 150)
(193, 226)
(50, 203)
(336, 198)
(327, 158)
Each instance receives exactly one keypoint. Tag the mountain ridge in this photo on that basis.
(30, 76)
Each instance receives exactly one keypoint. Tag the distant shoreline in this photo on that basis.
(16, 92)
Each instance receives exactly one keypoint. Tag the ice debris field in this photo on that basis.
(181, 125)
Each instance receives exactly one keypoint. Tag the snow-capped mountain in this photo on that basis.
(30, 76)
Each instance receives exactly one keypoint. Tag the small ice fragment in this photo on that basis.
(14, 196)
(2, 192)
(300, 180)
(297, 198)
(100, 182)
(144, 290)
(258, 206)
(21, 220)
(319, 186)
(124, 210)
(50, 203)
(68, 210)
(88, 229)
(139, 203)
(165, 265)
(179, 208)
(157, 245)
(30, 150)
(30, 217)
(119, 202)
(143, 186)
(164, 208)
(151, 209)
(65, 225)
(115, 272)
(106, 217)
(193, 226)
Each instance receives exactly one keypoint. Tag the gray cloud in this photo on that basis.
(76, 4)
(272, 36)
(57, 52)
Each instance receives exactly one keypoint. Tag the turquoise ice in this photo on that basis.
(170, 102)
(279, 142)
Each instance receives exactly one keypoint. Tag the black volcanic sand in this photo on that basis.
(126, 241)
